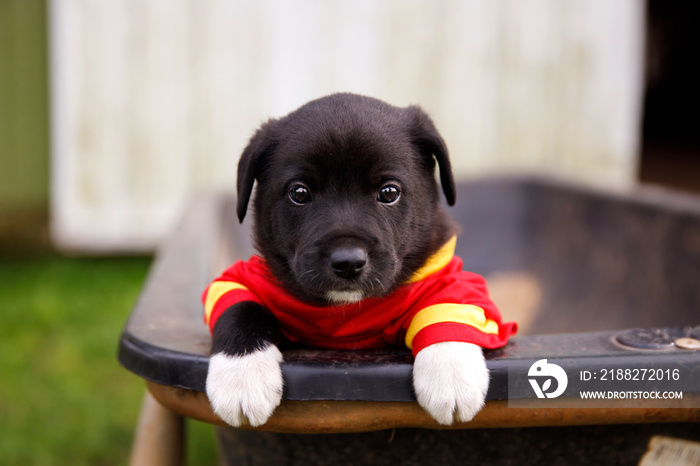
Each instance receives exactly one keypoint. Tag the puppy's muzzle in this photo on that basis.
(348, 262)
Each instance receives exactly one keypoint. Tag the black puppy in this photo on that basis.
(356, 253)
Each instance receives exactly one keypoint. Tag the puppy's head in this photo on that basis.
(346, 205)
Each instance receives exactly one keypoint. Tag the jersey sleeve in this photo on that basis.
(232, 287)
(458, 308)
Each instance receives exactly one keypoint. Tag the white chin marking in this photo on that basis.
(345, 297)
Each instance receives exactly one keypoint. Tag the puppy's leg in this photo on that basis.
(451, 378)
(245, 379)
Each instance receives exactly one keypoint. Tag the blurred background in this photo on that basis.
(114, 114)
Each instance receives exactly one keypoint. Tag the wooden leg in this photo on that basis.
(159, 436)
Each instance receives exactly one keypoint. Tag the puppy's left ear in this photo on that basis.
(251, 164)
(429, 142)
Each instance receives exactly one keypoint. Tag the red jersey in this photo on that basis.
(440, 302)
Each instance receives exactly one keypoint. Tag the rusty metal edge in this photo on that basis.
(364, 416)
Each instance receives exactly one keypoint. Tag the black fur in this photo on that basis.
(344, 148)
(243, 328)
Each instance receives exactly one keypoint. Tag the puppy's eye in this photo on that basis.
(300, 194)
(389, 194)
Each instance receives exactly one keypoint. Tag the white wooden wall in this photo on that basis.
(153, 100)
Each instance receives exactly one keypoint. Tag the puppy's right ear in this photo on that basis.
(252, 163)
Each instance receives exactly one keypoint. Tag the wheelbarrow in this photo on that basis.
(598, 281)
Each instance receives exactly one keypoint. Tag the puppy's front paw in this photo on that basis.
(451, 378)
(245, 387)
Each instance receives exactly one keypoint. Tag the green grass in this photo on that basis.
(64, 399)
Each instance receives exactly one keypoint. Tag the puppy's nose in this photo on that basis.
(348, 262)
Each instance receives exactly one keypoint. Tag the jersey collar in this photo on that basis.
(436, 262)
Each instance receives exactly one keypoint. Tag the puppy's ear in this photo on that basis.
(252, 162)
(429, 142)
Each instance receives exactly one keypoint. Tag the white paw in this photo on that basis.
(451, 379)
(245, 387)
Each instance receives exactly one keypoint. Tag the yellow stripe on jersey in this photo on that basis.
(457, 313)
(436, 262)
(217, 290)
